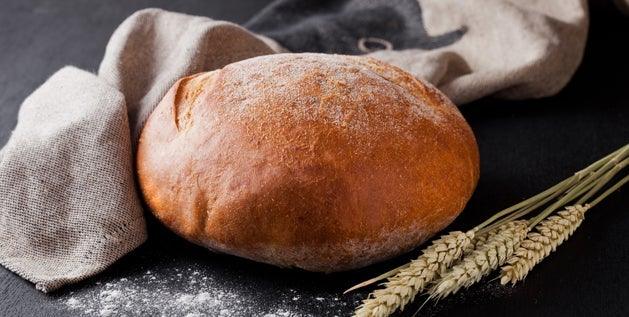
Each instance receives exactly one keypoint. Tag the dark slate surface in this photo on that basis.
(525, 147)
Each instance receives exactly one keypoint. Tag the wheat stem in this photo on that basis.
(579, 180)
(610, 190)
(525, 203)
(573, 193)
(378, 278)
(603, 181)
(565, 185)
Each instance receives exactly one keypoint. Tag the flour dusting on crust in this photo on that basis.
(316, 87)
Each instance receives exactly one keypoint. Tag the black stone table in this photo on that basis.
(525, 147)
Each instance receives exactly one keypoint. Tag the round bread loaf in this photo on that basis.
(322, 162)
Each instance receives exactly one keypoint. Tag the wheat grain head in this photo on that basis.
(480, 240)
(551, 233)
(401, 289)
(489, 256)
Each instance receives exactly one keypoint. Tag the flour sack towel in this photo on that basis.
(68, 204)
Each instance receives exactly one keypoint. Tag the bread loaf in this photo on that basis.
(321, 162)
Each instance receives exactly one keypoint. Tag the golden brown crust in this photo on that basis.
(322, 162)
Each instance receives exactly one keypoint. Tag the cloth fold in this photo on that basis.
(69, 207)
(153, 48)
(513, 49)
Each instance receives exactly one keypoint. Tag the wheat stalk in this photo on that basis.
(481, 261)
(402, 288)
(551, 233)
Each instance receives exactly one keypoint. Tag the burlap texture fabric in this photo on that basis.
(68, 206)
(513, 49)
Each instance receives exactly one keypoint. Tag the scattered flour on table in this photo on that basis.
(190, 293)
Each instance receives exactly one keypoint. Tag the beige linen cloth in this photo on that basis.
(68, 204)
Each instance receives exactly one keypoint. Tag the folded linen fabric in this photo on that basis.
(68, 204)
(68, 207)
(468, 49)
